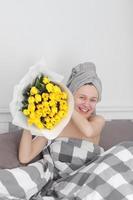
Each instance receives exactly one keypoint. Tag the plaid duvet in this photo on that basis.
(76, 169)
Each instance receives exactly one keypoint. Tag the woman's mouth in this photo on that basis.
(85, 110)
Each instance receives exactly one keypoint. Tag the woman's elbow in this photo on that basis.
(89, 132)
(23, 159)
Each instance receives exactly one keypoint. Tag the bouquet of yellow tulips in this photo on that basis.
(44, 104)
(41, 103)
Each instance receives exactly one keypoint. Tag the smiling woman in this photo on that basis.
(86, 87)
(86, 98)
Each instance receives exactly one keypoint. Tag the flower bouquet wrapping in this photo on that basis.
(41, 102)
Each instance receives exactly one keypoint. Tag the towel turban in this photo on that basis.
(84, 73)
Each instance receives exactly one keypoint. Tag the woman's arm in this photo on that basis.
(91, 127)
(29, 148)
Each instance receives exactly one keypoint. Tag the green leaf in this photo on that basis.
(25, 102)
(40, 86)
(24, 107)
(41, 78)
(26, 91)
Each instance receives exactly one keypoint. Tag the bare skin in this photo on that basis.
(83, 125)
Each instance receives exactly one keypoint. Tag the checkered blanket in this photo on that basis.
(80, 170)
(73, 169)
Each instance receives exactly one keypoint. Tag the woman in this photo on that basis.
(84, 124)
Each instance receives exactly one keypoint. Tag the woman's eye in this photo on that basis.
(93, 100)
(81, 97)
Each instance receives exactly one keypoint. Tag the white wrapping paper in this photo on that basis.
(18, 117)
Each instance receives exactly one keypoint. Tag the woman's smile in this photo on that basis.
(83, 109)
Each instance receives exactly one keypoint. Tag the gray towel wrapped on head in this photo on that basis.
(84, 73)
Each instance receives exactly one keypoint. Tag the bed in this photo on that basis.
(105, 175)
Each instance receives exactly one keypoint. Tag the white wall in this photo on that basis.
(67, 32)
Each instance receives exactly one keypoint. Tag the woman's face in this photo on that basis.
(86, 98)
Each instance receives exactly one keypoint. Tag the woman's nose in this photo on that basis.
(87, 103)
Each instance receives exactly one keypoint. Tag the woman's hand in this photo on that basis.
(91, 127)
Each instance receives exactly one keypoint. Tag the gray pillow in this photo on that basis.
(116, 131)
(9, 143)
